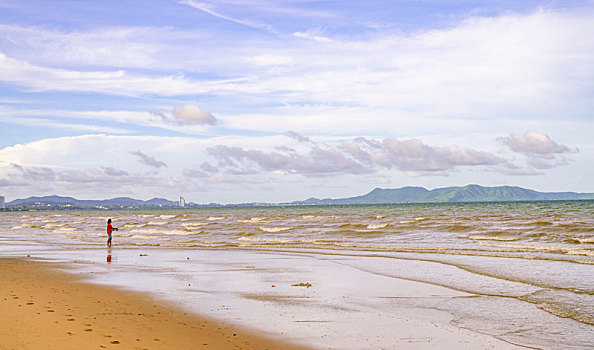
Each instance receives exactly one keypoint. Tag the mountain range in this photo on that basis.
(109, 203)
(469, 193)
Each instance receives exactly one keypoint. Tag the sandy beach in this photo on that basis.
(42, 308)
(247, 308)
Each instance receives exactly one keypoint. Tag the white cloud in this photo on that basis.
(191, 114)
(484, 67)
(312, 34)
(50, 123)
(535, 144)
(297, 136)
(117, 82)
(148, 160)
(210, 9)
(416, 157)
(31, 176)
(211, 175)
(224, 167)
(114, 172)
(511, 169)
(87, 120)
(271, 60)
(123, 46)
(360, 156)
(318, 161)
(540, 152)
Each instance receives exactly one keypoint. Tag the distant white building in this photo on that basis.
(1, 202)
(182, 202)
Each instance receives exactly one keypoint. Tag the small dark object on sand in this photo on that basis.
(306, 284)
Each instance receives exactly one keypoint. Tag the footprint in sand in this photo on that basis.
(30, 303)
(70, 319)
(115, 342)
(50, 310)
(88, 330)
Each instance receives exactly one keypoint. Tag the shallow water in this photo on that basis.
(534, 254)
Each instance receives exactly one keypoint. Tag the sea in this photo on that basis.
(526, 267)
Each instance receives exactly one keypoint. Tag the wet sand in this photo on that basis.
(53, 304)
(42, 308)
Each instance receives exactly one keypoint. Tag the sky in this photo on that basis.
(237, 101)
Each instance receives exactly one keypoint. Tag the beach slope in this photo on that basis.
(42, 308)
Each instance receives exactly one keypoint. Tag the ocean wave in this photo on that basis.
(50, 226)
(157, 223)
(145, 237)
(458, 228)
(564, 311)
(132, 226)
(551, 249)
(252, 220)
(65, 230)
(349, 225)
(376, 226)
(493, 238)
(95, 234)
(580, 240)
(577, 227)
(193, 225)
(274, 229)
(162, 232)
(271, 241)
(362, 232)
(214, 218)
(168, 216)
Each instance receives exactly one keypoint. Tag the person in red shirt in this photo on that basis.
(109, 229)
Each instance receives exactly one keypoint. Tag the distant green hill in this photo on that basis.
(469, 193)
(58, 201)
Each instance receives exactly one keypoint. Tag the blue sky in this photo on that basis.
(234, 101)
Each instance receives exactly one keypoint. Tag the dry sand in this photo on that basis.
(41, 308)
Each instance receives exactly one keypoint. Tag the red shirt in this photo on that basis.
(108, 228)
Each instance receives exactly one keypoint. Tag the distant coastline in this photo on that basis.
(465, 194)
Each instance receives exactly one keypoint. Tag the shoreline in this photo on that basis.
(42, 307)
(340, 278)
(232, 304)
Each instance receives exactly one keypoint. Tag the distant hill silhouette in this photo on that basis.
(469, 193)
(108, 203)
